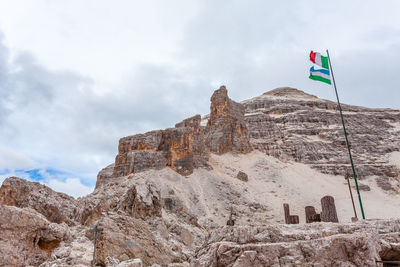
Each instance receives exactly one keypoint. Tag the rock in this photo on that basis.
(61, 252)
(111, 262)
(139, 200)
(56, 207)
(27, 237)
(105, 175)
(187, 237)
(129, 158)
(170, 216)
(143, 200)
(186, 146)
(364, 187)
(318, 244)
(125, 238)
(226, 129)
(131, 263)
(137, 161)
(289, 124)
(242, 176)
(198, 138)
(384, 183)
(177, 143)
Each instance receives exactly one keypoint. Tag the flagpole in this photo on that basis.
(345, 135)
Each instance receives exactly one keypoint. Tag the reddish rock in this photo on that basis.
(198, 136)
(56, 207)
(226, 129)
(177, 143)
(186, 146)
(129, 158)
(105, 175)
(27, 238)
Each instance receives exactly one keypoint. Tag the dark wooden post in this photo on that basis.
(287, 213)
(310, 211)
(328, 213)
(231, 222)
(311, 215)
(294, 219)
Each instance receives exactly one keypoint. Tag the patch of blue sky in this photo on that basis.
(35, 175)
(4, 171)
(44, 175)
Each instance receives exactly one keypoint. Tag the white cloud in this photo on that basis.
(97, 38)
(56, 180)
(76, 76)
(10, 159)
(71, 186)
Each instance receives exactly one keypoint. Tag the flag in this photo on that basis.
(321, 75)
(322, 61)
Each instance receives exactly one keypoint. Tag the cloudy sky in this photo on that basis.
(75, 76)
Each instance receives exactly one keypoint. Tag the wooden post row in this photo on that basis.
(290, 219)
(328, 213)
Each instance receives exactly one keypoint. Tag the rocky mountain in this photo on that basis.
(169, 195)
(289, 124)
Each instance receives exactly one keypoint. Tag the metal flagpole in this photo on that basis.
(345, 135)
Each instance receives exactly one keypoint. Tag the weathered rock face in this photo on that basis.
(140, 200)
(198, 139)
(226, 128)
(318, 244)
(56, 207)
(289, 124)
(125, 238)
(27, 238)
(178, 146)
(105, 175)
(151, 212)
(186, 146)
(139, 152)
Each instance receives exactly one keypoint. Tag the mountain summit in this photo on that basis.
(209, 192)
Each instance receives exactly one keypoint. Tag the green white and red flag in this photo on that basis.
(319, 60)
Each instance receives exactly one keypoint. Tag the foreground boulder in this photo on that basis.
(318, 244)
(27, 237)
(140, 200)
(56, 207)
(125, 238)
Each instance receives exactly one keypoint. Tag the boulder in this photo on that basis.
(318, 244)
(27, 237)
(125, 238)
(242, 176)
(56, 207)
(140, 200)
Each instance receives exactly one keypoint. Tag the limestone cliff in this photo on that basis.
(186, 146)
(291, 125)
(169, 194)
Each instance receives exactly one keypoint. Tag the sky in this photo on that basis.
(75, 76)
